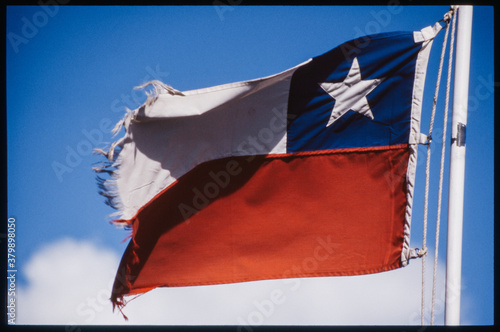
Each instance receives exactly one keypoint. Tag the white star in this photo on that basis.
(351, 93)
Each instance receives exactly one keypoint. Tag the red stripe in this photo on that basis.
(274, 156)
(269, 217)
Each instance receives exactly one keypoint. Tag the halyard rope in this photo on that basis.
(441, 168)
(447, 18)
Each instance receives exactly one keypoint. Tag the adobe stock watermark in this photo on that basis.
(89, 308)
(94, 137)
(11, 307)
(482, 91)
(32, 25)
(381, 19)
(439, 305)
(131, 100)
(265, 308)
(75, 155)
(222, 6)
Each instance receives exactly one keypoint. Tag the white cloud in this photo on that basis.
(69, 282)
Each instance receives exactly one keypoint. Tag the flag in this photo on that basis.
(305, 173)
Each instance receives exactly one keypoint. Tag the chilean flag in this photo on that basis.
(305, 173)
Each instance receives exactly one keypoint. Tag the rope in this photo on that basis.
(441, 169)
(446, 19)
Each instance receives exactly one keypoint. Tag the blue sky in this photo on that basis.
(70, 74)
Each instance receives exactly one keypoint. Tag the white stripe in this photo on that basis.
(174, 134)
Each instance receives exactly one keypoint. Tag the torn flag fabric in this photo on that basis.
(305, 173)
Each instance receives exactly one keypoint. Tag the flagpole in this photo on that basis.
(457, 167)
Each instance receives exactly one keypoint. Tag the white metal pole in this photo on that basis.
(457, 167)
